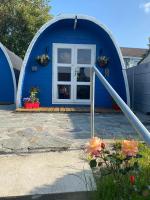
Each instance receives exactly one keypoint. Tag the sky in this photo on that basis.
(128, 20)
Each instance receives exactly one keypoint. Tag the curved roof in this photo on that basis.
(133, 52)
(3, 48)
(15, 60)
(71, 16)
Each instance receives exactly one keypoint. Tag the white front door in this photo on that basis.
(71, 73)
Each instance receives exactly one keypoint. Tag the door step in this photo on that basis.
(67, 110)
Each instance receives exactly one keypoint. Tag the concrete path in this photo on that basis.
(45, 173)
(27, 132)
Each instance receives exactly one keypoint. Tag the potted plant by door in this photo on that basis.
(34, 97)
(27, 103)
(36, 103)
(32, 101)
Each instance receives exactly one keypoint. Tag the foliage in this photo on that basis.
(121, 172)
(34, 92)
(20, 20)
(147, 52)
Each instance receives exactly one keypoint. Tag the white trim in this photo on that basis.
(70, 16)
(11, 69)
(92, 47)
(132, 57)
(73, 65)
(54, 73)
(133, 61)
(74, 103)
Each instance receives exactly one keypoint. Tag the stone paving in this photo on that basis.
(29, 132)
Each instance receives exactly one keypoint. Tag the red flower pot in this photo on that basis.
(32, 105)
(28, 105)
(36, 105)
(116, 107)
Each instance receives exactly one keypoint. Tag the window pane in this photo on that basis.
(84, 56)
(83, 74)
(64, 56)
(83, 92)
(127, 62)
(64, 74)
(64, 91)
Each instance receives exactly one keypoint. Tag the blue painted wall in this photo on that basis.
(86, 33)
(6, 81)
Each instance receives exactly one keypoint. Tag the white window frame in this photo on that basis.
(132, 59)
(73, 82)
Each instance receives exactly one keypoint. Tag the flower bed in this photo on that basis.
(121, 170)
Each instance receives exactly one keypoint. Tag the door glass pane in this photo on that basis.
(64, 55)
(83, 74)
(64, 74)
(83, 92)
(84, 56)
(64, 91)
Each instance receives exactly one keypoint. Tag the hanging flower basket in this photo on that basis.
(43, 59)
(102, 61)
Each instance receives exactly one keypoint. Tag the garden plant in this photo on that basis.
(121, 169)
(33, 100)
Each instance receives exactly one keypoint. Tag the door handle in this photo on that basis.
(76, 71)
(75, 74)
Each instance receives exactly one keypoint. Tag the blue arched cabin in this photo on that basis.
(73, 43)
(10, 65)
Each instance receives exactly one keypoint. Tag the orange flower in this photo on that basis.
(129, 147)
(93, 147)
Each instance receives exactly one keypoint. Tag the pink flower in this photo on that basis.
(94, 147)
(129, 147)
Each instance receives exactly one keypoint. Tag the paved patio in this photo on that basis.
(32, 132)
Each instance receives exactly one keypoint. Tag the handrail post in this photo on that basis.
(135, 122)
(92, 100)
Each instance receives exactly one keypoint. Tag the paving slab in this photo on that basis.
(45, 173)
(28, 132)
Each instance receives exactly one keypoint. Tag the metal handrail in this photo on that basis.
(135, 122)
